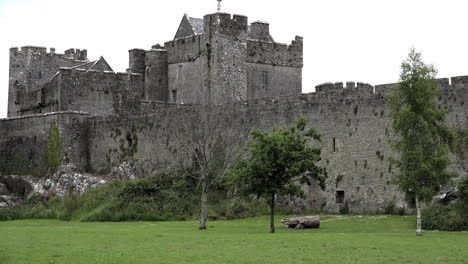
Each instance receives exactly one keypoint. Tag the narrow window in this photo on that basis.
(174, 96)
(40, 74)
(339, 196)
(265, 80)
(334, 144)
(179, 73)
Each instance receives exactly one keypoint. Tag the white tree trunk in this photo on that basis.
(418, 218)
(204, 209)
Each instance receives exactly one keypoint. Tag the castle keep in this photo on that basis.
(217, 59)
(106, 119)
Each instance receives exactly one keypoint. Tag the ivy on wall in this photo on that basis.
(54, 147)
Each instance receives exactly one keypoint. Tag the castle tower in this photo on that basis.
(225, 71)
(32, 67)
(219, 59)
(156, 87)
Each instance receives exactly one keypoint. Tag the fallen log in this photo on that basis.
(302, 222)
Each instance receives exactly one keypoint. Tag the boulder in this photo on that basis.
(302, 222)
(3, 189)
(17, 185)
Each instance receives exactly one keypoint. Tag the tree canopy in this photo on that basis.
(278, 161)
(424, 139)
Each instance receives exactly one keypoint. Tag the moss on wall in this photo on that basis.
(54, 147)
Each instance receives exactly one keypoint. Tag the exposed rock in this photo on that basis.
(125, 171)
(3, 189)
(302, 222)
(66, 179)
(446, 196)
(3, 205)
(17, 185)
(8, 200)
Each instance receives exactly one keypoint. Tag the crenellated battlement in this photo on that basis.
(359, 93)
(325, 87)
(457, 82)
(73, 54)
(223, 23)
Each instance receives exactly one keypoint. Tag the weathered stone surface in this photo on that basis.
(66, 179)
(9, 200)
(124, 171)
(17, 185)
(3, 189)
(115, 124)
(302, 222)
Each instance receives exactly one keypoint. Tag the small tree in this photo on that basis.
(423, 137)
(278, 161)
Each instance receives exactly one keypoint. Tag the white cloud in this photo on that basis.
(360, 40)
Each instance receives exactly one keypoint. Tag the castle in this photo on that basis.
(219, 60)
(216, 59)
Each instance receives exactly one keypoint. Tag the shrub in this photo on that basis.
(165, 196)
(345, 208)
(444, 218)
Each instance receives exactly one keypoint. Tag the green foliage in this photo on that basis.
(34, 208)
(170, 195)
(463, 194)
(461, 143)
(338, 179)
(424, 138)
(278, 160)
(54, 148)
(453, 217)
(390, 208)
(345, 209)
(444, 218)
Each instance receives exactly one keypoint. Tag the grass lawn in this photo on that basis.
(348, 239)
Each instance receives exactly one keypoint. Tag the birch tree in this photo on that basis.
(424, 138)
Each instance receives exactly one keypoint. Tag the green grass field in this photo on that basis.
(340, 239)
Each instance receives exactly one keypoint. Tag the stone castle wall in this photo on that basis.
(32, 67)
(98, 93)
(354, 124)
(94, 92)
(130, 117)
(24, 142)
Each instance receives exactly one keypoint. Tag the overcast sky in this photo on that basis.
(358, 40)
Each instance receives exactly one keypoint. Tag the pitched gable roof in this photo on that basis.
(197, 25)
(97, 65)
(189, 26)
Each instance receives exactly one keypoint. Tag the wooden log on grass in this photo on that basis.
(302, 222)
